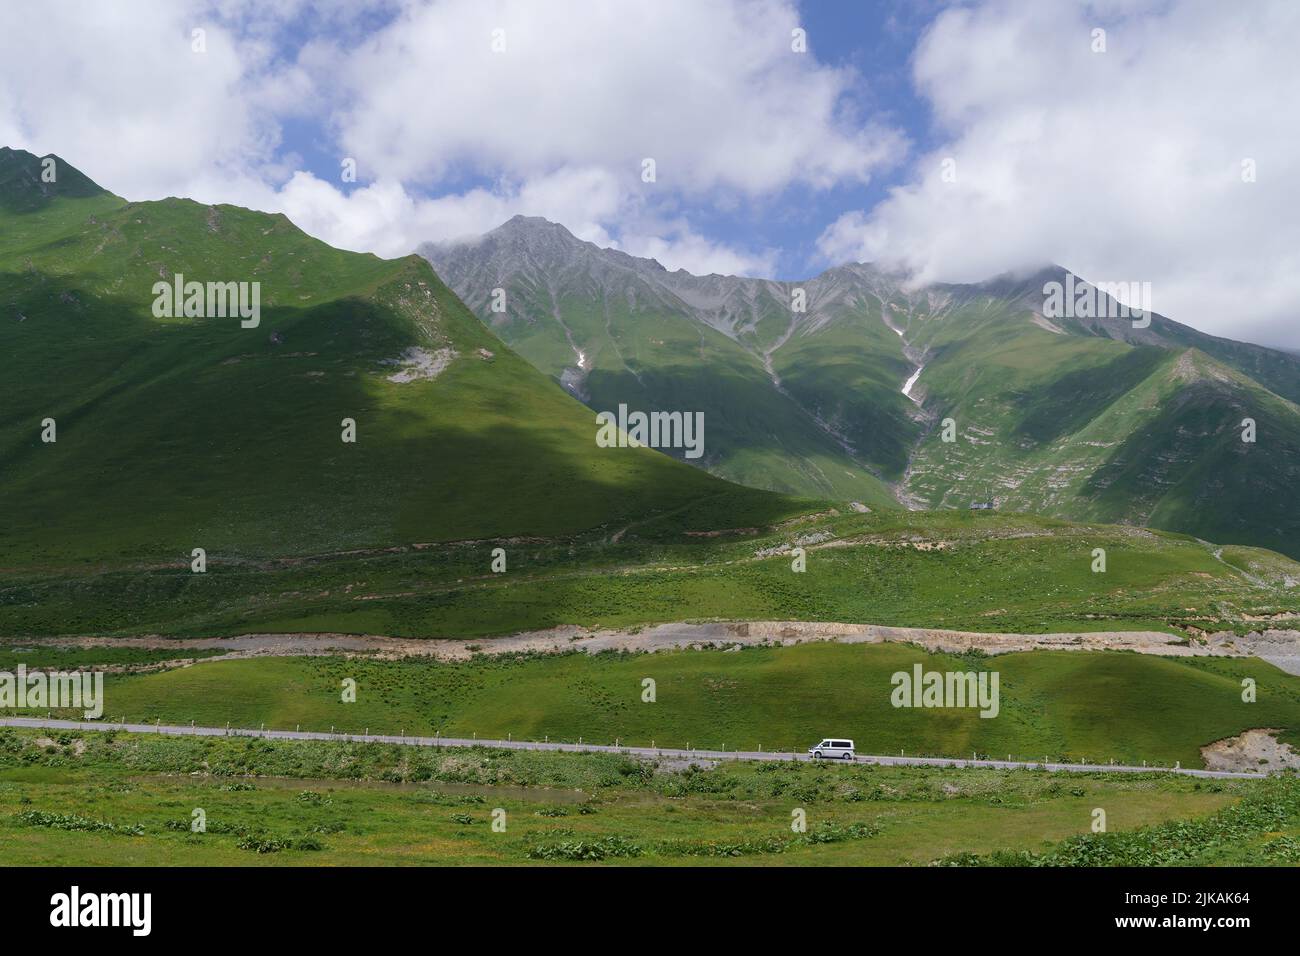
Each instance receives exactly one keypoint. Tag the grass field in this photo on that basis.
(118, 799)
(963, 570)
(1093, 706)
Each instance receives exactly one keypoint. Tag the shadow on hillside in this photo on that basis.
(1190, 471)
(201, 434)
(1071, 401)
(746, 419)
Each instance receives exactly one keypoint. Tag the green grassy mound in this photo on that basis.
(1078, 706)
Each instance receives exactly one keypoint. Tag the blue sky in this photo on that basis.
(872, 38)
(953, 139)
(773, 230)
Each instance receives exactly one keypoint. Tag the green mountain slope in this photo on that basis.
(614, 329)
(177, 433)
(1057, 417)
(1081, 418)
(1275, 369)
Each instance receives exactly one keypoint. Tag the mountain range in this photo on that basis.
(358, 453)
(129, 436)
(840, 386)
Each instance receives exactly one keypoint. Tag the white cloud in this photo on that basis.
(1122, 165)
(711, 91)
(385, 218)
(557, 125)
(1119, 165)
(121, 94)
(682, 248)
(563, 118)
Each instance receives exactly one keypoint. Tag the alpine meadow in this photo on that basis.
(566, 435)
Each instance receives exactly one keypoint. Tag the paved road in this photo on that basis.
(49, 724)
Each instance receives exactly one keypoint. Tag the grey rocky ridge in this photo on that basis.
(838, 386)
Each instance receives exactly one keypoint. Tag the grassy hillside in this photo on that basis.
(962, 570)
(1095, 429)
(1081, 418)
(183, 433)
(612, 330)
(850, 371)
(652, 358)
(177, 433)
(1066, 705)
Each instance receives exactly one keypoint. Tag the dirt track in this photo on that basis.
(1282, 648)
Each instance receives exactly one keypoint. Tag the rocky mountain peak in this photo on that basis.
(28, 181)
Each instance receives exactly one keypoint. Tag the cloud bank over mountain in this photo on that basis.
(1132, 163)
(1125, 164)
(457, 114)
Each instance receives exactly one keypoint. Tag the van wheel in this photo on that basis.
(848, 756)
(817, 755)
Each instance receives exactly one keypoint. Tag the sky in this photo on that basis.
(1127, 140)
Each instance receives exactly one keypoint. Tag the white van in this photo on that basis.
(834, 748)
